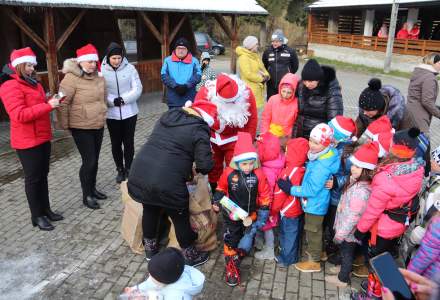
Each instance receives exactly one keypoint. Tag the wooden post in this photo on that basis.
(151, 26)
(392, 31)
(309, 27)
(26, 29)
(423, 47)
(51, 54)
(70, 29)
(234, 43)
(165, 44)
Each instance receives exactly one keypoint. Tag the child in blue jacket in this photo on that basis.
(324, 161)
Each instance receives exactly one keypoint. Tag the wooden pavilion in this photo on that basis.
(55, 28)
(355, 24)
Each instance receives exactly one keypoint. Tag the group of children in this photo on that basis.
(365, 190)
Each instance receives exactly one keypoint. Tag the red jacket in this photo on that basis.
(28, 112)
(393, 186)
(228, 134)
(263, 190)
(296, 156)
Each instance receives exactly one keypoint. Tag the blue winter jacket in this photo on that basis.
(315, 197)
(177, 71)
(340, 178)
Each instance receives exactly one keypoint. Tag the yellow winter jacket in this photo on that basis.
(251, 68)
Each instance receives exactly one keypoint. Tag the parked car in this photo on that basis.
(206, 43)
(217, 48)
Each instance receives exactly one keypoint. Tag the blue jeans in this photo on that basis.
(289, 240)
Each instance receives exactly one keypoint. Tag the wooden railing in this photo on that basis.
(374, 43)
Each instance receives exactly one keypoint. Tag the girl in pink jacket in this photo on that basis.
(397, 181)
(282, 108)
(351, 207)
(270, 148)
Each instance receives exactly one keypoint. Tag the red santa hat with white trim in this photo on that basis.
(366, 156)
(23, 55)
(344, 128)
(226, 88)
(208, 112)
(87, 53)
(382, 124)
(244, 148)
(384, 140)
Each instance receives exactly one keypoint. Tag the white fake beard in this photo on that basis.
(234, 114)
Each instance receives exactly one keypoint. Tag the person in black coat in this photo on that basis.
(319, 98)
(278, 59)
(161, 169)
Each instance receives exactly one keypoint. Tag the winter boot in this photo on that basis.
(333, 279)
(232, 270)
(98, 195)
(91, 202)
(151, 248)
(308, 266)
(266, 253)
(360, 271)
(194, 257)
(120, 176)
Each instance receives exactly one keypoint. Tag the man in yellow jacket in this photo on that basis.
(251, 68)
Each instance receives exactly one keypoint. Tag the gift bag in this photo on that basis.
(131, 227)
(202, 218)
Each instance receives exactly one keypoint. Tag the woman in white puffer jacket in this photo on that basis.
(123, 90)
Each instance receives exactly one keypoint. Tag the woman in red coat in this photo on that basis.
(29, 113)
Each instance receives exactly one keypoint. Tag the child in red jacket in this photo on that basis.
(289, 207)
(246, 185)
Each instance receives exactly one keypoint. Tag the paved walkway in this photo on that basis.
(85, 257)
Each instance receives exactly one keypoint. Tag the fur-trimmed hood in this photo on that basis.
(70, 65)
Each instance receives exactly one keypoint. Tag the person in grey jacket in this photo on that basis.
(123, 90)
(422, 95)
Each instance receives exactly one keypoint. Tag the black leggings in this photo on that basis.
(122, 132)
(150, 221)
(88, 142)
(35, 162)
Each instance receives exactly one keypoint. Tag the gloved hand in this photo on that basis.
(262, 216)
(118, 101)
(359, 235)
(285, 185)
(217, 197)
(181, 89)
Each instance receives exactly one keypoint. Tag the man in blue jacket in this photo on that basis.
(180, 73)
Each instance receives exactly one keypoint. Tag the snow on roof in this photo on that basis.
(244, 7)
(354, 3)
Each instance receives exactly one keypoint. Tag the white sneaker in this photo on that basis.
(266, 253)
(333, 270)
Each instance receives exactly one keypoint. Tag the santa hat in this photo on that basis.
(383, 124)
(226, 88)
(323, 134)
(207, 110)
(87, 53)
(366, 156)
(343, 128)
(23, 55)
(276, 130)
(384, 140)
(244, 148)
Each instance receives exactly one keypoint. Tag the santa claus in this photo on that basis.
(237, 111)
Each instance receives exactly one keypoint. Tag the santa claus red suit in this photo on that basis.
(237, 111)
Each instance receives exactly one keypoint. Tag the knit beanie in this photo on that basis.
(167, 266)
(371, 98)
(405, 143)
(323, 134)
(276, 130)
(250, 42)
(278, 35)
(114, 49)
(312, 71)
(183, 42)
